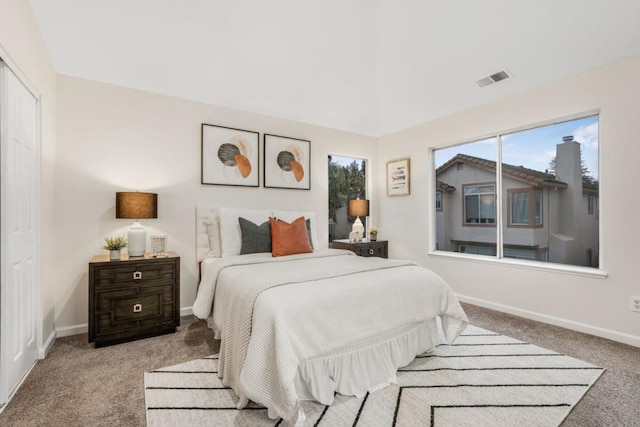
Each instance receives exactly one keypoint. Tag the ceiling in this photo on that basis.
(370, 67)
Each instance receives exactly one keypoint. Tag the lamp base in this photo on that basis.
(358, 227)
(136, 240)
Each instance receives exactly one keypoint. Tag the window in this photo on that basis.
(545, 181)
(347, 180)
(521, 211)
(538, 206)
(519, 253)
(477, 250)
(480, 204)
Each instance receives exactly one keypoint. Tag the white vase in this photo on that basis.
(373, 237)
(114, 254)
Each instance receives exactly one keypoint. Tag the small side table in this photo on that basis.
(366, 248)
(133, 298)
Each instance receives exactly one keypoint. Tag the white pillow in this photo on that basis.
(290, 216)
(230, 234)
(212, 224)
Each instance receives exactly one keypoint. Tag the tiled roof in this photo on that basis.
(442, 186)
(520, 173)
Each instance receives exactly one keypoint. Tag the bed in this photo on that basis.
(308, 325)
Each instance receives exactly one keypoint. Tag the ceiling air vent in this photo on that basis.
(493, 78)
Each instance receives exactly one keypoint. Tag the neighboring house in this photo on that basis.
(546, 217)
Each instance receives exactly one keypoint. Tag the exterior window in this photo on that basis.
(347, 180)
(520, 208)
(476, 250)
(480, 204)
(545, 181)
(544, 255)
(538, 207)
(519, 253)
(521, 211)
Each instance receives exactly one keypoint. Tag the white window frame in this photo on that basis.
(599, 272)
(368, 176)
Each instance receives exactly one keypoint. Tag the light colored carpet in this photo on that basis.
(484, 378)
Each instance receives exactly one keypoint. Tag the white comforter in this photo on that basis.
(286, 319)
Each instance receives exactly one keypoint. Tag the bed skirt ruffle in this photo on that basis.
(366, 366)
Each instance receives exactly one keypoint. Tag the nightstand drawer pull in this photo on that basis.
(370, 251)
(137, 308)
(137, 275)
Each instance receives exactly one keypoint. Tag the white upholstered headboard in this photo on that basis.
(210, 234)
(203, 215)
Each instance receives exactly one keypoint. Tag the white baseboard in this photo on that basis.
(186, 311)
(67, 331)
(557, 321)
(46, 347)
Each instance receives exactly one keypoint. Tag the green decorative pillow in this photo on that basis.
(255, 238)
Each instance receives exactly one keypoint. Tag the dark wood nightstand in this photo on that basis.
(133, 298)
(379, 248)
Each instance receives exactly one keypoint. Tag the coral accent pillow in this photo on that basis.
(289, 239)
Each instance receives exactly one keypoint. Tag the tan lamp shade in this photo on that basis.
(135, 205)
(358, 207)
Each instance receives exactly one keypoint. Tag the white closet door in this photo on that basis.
(19, 253)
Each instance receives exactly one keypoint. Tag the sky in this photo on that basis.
(534, 148)
(344, 161)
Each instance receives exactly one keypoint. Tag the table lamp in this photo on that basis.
(358, 208)
(136, 206)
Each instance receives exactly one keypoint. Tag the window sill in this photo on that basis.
(532, 265)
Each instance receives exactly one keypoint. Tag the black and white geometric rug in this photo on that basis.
(483, 379)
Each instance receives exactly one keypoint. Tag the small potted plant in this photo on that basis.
(373, 234)
(114, 245)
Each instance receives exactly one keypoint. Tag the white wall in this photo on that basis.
(599, 306)
(113, 139)
(21, 41)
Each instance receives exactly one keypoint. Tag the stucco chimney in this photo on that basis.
(569, 171)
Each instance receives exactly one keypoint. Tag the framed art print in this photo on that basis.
(230, 156)
(398, 177)
(287, 162)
